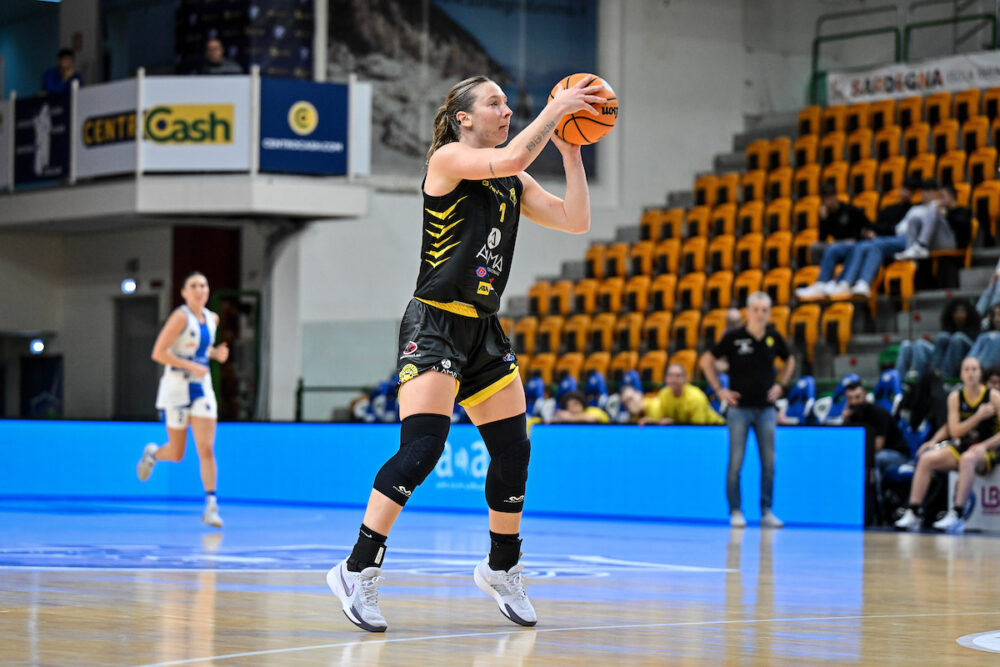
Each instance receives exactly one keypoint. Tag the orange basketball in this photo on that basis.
(582, 127)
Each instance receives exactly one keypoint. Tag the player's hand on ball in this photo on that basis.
(579, 97)
(566, 148)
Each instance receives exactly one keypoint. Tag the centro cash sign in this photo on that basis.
(190, 124)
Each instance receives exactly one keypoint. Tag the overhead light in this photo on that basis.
(128, 286)
(37, 346)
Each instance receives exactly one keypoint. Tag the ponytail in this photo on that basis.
(446, 125)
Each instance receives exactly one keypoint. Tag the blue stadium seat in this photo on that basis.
(534, 394)
(830, 409)
(713, 398)
(596, 390)
(914, 438)
(382, 405)
(631, 379)
(800, 400)
(566, 385)
(888, 390)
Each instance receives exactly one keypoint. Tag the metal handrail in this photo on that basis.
(816, 72)
(954, 20)
(881, 9)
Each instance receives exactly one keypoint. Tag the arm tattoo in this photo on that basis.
(551, 125)
(492, 173)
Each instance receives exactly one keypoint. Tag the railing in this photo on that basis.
(301, 390)
(817, 74)
(954, 20)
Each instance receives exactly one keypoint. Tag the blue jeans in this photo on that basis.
(885, 459)
(875, 252)
(739, 421)
(914, 355)
(949, 350)
(837, 253)
(987, 349)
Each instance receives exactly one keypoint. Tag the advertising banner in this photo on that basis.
(196, 123)
(971, 70)
(105, 136)
(303, 127)
(41, 139)
(5, 120)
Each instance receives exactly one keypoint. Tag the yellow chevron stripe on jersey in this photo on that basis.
(443, 241)
(436, 254)
(441, 215)
(438, 263)
(457, 307)
(444, 230)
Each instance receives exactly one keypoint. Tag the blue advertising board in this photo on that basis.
(658, 473)
(303, 127)
(41, 138)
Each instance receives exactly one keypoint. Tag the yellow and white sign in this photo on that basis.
(105, 129)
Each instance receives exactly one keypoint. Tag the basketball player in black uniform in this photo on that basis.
(451, 345)
(972, 418)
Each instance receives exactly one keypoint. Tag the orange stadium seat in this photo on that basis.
(975, 133)
(805, 276)
(550, 333)
(962, 254)
(719, 289)
(713, 325)
(666, 256)
(684, 332)
(720, 253)
(543, 366)
(887, 142)
(561, 297)
(723, 220)
(888, 199)
(890, 173)
(602, 332)
(937, 107)
(805, 182)
(727, 188)
(995, 131)
(599, 362)
(628, 331)
(507, 324)
(915, 140)
(594, 261)
(525, 332)
(777, 153)
(754, 184)
(805, 150)
(777, 249)
(963, 194)
(693, 254)
(982, 165)
(690, 291)
(538, 297)
(746, 284)
(656, 330)
(622, 363)
(836, 174)
(857, 116)
(649, 224)
(523, 367)
(696, 221)
(922, 166)
(748, 251)
(652, 367)
(609, 295)
(663, 292)
(779, 319)
(831, 147)
(898, 283)
(944, 136)
(805, 214)
(574, 333)
(704, 190)
(801, 243)
(867, 202)
(965, 105)
(686, 358)
(809, 120)
(909, 110)
(672, 224)
(569, 365)
(750, 218)
(777, 283)
(756, 154)
(641, 258)
(859, 145)
(803, 328)
(833, 119)
(616, 260)
(951, 168)
(991, 103)
(836, 325)
(636, 296)
(883, 114)
(778, 215)
(779, 183)
(985, 205)
(862, 176)
(585, 296)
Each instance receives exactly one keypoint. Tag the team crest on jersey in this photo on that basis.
(484, 288)
(410, 348)
(770, 341)
(513, 196)
(408, 373)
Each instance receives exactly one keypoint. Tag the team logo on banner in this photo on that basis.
(303, 118)
(191, 124)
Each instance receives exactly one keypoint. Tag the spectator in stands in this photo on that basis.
(987, 345)
(216, 61)
(574, 410)
(630, 408)
(991, 295)
(960, 325)
(734, 319)
(992, 376)
(883, 439)
(59, 79)
(846, 224)
(978, 459)
(972, 418)
(751, 351)
(944, 226)
(679, 402)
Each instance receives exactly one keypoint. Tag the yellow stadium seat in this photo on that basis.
(803, 328)
(862, 176)
(809, 120)
(507, 324)
(696, 221)
(750, 218)
(909, 110)
(713, 325)
(777, 249)
(962, 254)
(937, 107)
(672, 224)
(543, 366)
(663, 293)
(602, 332)
(719, 289)
(652, 367)
(778, 215)
(833, 119)
(995, 131)
(693, 254)
(975, 133)
(857, 116)
(720, 253)
(915, 140)
(746, 284)
(609, 295)
(991, 103)
(641, 258)
(985, 205)
(831, 147)
(523, 367)
(859, 145)
(836, 174)
(622, 363)
(805, 276)
(686, 358)
(779, 319)
(963, 194)
(585, 296)
(944, 136)
(777, 283)
(550, 333)
(887, 142)
(801, 243)
(867, 202)
(951, 168)
(965, 105)
(636, 296)
(888, 199)
(748, 251)
(594, 261)
(754, 184)
(666, 256)
(628, 331)
(684, 332)
(656, 330)
(561, 298)
(649, 224)
(690, 291)
(899, 283)
(757, 154)
(525, 333)
(836, 325)
(575, 332)
(982, 165)
(777, 153)
(727, 188)
(805, 149)
(723, 220)
(599, 362)
(616, 259)
(538, 298)
(922, 166)
(890, 173)
(779, 183)
(704, 190)
(805, 182)
(883, 114)
(805, 214)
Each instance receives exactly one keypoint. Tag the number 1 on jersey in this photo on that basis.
(503, 210)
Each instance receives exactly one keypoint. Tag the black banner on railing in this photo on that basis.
(41, 139)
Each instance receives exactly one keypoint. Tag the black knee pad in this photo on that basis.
(507, 442)
(421, 442)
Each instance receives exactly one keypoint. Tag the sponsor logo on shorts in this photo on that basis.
(481, 272)
(408, 373)
(509, 357)
(446, 363)
(515, 499)
(484, 288)
(409, 349)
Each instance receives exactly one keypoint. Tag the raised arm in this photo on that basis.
(572, 212)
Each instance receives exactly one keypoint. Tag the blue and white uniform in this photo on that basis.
(181, 394)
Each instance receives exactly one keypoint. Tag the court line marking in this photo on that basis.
(813, 619)
(972, 641)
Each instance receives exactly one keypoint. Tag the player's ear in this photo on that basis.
(463, 119)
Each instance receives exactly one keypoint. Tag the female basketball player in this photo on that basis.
(972, 418)
(451, 345)
(184, 347)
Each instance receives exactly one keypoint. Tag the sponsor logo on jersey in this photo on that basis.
(190, 124)
(494, 238)
(509, 357)
(493, 261)
(481, 272)
(484, 288)
(409, 348)
(446, 363)
(408, 373)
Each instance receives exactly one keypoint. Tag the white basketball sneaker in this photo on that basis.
(768, 520)
(507, 588)
(737, 520)
(145, 466)
(211, 515)
(358, 594)
(909, 521)
(950, 523)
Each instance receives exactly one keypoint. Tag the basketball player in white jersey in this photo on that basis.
(185, 346)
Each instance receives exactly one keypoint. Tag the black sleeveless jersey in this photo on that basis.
(468, 244)
(967, 408)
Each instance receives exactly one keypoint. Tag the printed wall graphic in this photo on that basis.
(303, 127)
(105, 135)
(41, 139)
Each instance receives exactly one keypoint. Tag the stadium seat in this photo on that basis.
(720, 253)
(594, 261)
(656, 330)
(887, 142)
(585, 296)
(569, 365)
(965, 104)
(836, 325)
(805, 181)
(628, 331)
(890, 173)
(937, 107)
(862, 176)
(696, 221)
(995, 131)
(602, 332)
(779, 319)
(882, 114)
(859, 145)
(750, 218)
(704, 190)
(523, 369)
(809, 119)
(975, 133)
(856, 117)
(663, 292)
(779, 183)
(713, 325)
(922, 166)
(805, 214)
(723, 220)
(622, 363)
(833, 119)
(666, 256)
(909, 110)
(778, 216)
(805, 276)
(691, 290)
(963, 255)
(609, 295)
(757, 154)
(550, 334)
(829, 410)
(899, 283)
(561, 298)
(713, 398)
(803, 328)
(719, 289)
(777, 249)
(800, 400)
(951, 168)
(649, 224)
(867, 202)
(538, 298)
(800, 246)
(944, 136)
(963, 194)
(693, 254)
(753, 184)
(525, 333)
(688, 359)
(985, 205)
(684, 331)
(915, 140)
(991, 103)
(727, 188)
(831, 148)
(748, 251)
(575, 332)
(543, 366)
(888, 198)
(636, 296)
(888, 391)
(616, 260)
(652, 367)
(982, 165)
(746, 284)
(672, 224)
(598, 362)
(641, 258)
(777, 153)
(836, 174)
(777, 283)
(805, 149)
